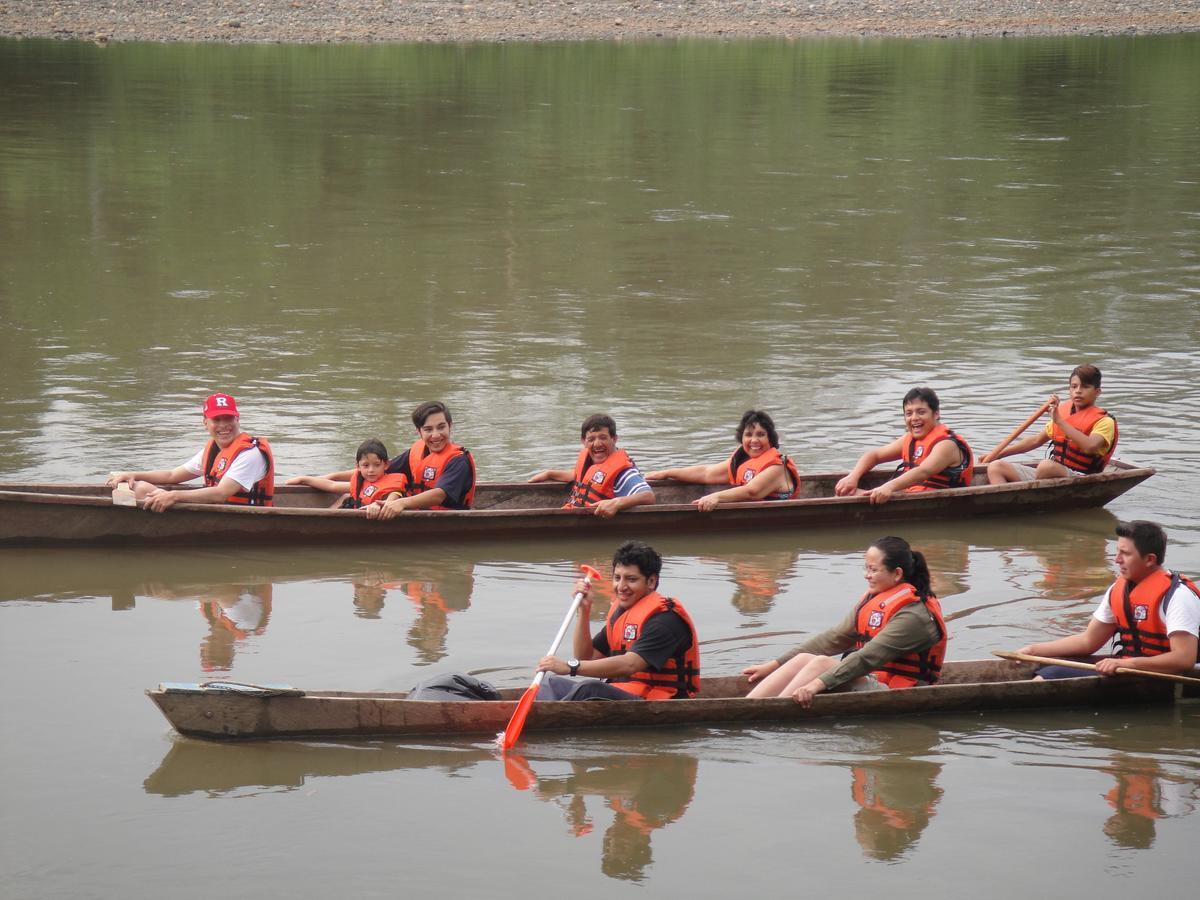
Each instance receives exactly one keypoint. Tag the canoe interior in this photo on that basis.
(520, 495)
(287, 713)
(66, 514)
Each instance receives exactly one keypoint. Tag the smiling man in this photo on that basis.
(604, 479)
(931, 455)
(441, 474)
(647, 649)
(1153, 613)
(236, 467)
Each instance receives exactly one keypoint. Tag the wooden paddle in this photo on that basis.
(1076, 664)
(1016, 433)
(512, 730)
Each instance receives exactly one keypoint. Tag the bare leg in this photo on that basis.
(773, 684)
(816, 667)
(1001, 472)
(1048, 468)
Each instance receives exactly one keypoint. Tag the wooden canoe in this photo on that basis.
(73, 514)
(221, 711)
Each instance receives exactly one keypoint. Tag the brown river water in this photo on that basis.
(672, 232)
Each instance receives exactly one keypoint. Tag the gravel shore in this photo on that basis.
(313, 21)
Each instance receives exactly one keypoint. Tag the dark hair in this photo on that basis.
(758, 417)
(1088, 375)
(371, 445)
(922, 393)
(1147, 537)
(635, 553)
(595, 422)
(897, 554)
(425, 410)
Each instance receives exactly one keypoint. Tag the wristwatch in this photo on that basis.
(572, 667)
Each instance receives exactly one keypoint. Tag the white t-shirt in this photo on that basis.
(248, 469)
(1183, 611)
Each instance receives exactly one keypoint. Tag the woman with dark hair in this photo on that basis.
(895, 637)
(931, 455)
(757, 470)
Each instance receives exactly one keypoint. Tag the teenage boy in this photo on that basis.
(237, 468)
(931, 455)
(1153, 612)
(647, 649)
(1084, 436)
(441, 474)
(604, 478)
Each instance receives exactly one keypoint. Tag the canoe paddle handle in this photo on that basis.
(512, 731)
(1076, 664)
(1015, 434)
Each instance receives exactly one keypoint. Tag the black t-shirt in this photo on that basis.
(455, 479)
(665, 635)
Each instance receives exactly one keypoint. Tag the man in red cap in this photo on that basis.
(236, 467)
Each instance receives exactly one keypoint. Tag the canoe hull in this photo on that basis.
(48, 515)
(215, 714)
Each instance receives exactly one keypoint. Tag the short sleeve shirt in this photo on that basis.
(455, 479)
(1105, 427)
(664, 636)
(247, 469)
(630, 482)
(1183, 611)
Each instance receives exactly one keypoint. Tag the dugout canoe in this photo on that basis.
(83, 514)
(225, 711)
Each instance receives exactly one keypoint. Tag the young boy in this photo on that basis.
(931, 455)
(604, 478)
(369, 483)
(440, 473)
(1084, 436)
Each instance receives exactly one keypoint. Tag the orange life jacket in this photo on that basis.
(680, 675)
(1137, 793)
(743, 468)
(425, 469)
(914, 452)
(426, 593)
(364, 493)
(218, 461)
(865, 792)
(594, 483)
(872, 616)
(1141, 612)
(1065, 451)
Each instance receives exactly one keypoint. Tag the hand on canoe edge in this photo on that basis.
(804, 695)
(116, 478)
(881, 494)
(389, 509)
(761, 671)
(845, 487)
(160, 500)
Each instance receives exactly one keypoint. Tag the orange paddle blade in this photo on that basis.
(512, 731)
(518, 772)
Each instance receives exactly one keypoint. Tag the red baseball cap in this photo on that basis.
(219, 405)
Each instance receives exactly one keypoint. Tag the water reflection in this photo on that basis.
(235, 613)
(645, 792)
(435, 597)
(758, 578)
(219, 770)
